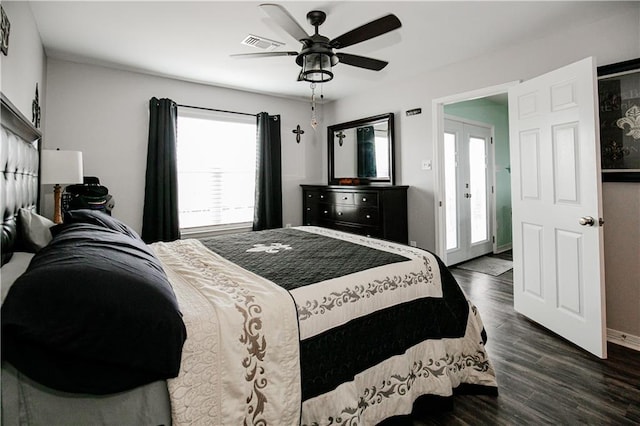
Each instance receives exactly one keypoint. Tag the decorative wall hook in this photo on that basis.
(298, 131)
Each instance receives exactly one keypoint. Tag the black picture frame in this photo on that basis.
(5, 27)
(619, 110)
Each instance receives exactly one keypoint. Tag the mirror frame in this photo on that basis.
(388, 117)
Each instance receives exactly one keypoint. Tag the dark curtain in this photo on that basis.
(268, 202)
(160, 215)
(366, 152)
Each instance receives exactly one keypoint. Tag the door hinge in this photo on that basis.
(440, 202)
(492, 189)
(493, 239)
(491, 140)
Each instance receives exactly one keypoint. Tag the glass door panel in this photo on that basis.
(451, 194)
(478, 189)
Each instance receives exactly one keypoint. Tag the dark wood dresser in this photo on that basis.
(376, 211)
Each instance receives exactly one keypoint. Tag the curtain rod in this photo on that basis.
(216, 110)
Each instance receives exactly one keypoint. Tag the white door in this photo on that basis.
(558, 272)
(468, 184)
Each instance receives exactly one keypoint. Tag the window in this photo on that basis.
(216, 170)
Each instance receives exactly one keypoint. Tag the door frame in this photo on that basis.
(438, 117)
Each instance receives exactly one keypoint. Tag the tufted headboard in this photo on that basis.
(20, 161)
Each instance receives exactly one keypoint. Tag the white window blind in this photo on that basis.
(216, 155)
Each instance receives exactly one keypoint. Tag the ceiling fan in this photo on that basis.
(317, 56)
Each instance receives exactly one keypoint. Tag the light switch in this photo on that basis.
(426, 164)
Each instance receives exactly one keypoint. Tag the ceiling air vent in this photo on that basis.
(261, 42)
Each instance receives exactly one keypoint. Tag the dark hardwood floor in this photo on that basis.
(542, 378)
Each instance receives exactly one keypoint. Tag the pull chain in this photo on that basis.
(314, 120)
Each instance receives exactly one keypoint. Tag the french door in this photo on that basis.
(468, 163)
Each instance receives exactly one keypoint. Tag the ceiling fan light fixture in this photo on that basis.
(316, 67)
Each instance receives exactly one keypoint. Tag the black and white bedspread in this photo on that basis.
(349, 328)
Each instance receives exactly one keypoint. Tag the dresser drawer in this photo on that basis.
(317, 213)
(341, 197)
(345, 213)
(368, 215)
(358, 215)
(365, 199)
(310, 214)
(315, 196)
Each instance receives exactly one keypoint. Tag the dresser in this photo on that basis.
(376, 211)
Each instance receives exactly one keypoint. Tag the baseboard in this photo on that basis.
(503, 248)
(623, 339)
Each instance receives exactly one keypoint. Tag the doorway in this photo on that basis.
(499, 180)
(468, 170)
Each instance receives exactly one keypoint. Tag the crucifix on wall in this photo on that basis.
(298, 131)
(35, 109)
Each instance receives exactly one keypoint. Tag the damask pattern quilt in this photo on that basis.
(359, 329)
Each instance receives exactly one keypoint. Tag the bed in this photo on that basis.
(300, 325)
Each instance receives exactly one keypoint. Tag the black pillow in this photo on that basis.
(93, 313)
(95, 217)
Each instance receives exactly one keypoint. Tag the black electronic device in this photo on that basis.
(88, 195)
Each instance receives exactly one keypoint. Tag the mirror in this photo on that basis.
(361, 151)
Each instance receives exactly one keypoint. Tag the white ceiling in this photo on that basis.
(193, 40)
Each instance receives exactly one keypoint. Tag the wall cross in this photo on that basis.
(298, 131)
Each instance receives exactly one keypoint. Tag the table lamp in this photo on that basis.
(60, 167)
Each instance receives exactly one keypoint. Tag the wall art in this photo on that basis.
(5, 26)
(619, 103)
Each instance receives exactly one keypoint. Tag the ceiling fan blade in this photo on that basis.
(262, 54)
(361, 61)
(284, 20)
(367, 31)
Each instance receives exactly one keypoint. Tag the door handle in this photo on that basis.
(587, 221)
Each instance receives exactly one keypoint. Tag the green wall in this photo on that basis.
(496, 114)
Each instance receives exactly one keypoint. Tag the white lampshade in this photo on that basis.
(61, 167)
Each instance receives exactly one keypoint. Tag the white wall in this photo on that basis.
(104, 113)
(25, 64)
(611, 39)
(621, 205)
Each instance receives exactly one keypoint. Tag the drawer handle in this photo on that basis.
(364, 199)
(368, 216)
(325, 212)
(308, 209)
(322, 196)
(345, 198)
(310, 195)
(339, 213)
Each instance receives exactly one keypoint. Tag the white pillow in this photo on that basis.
(34, 229)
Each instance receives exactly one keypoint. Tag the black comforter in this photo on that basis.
(93, 313)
